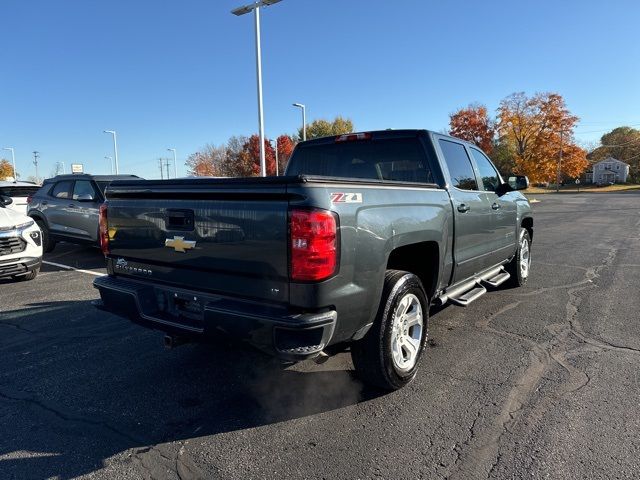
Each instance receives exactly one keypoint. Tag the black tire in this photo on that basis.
(373, 355)
(48, 244)
(518, 275)
(29, 276)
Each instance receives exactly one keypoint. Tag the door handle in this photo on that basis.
(495, 206)
(71, 205)
(462, 208)
(45, 202)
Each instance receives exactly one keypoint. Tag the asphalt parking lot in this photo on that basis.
(538, 382)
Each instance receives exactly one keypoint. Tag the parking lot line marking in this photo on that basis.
(67, 267)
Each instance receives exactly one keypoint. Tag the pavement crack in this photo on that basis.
(68, 418)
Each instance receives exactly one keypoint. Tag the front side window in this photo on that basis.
(61, 189)
(488, 174)
(83, 187)
(459, 164)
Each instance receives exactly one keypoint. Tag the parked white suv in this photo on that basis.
(20, 193)
(20, 244)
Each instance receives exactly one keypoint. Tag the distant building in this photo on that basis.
(609, 170)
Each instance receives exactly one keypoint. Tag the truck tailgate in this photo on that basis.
(216, 239)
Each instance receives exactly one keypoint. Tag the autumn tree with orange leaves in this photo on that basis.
(6, 169)
(534, 129)
(473, 125)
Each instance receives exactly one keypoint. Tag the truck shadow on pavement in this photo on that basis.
(78, 386)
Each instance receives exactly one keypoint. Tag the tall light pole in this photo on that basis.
(175, 165)
(304, 119)
(255, 7)
(115, 147)
(107, 157)
(13, 159)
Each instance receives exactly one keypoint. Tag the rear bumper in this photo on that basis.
(18, 266)
(272, 329)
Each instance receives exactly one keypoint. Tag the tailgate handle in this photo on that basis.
(179, 220)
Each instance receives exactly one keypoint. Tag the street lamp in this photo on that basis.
(13, 158)
(110, 159)
(115, 147)
(304, 120)
(175, 165)
(255, 7)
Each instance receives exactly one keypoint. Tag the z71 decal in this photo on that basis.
(340, 197)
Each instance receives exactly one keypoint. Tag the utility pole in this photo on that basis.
(559, 163)
(36, 155)
(166, 164)
(161, 172)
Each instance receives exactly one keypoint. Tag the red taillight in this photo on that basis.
(314, 244)
(104, 229)
(29, 199)
(351, 137)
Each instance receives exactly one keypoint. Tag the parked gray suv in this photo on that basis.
(66, 208)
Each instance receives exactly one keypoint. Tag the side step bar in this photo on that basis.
(497, 280)
(469, 296)
(473, 289)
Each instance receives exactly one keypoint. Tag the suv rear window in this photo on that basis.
(18, 191)
(395, 159)
(61, 190)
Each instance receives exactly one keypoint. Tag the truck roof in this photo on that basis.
(382, 134)
(88, 176)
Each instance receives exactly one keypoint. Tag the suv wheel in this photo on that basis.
(29, 276)
(389, 354)
(47, 243)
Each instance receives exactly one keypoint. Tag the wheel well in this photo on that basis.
(421, 259)
(528, 224)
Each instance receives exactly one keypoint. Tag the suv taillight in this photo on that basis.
(29, 199)
(313, 244)
(104, 229)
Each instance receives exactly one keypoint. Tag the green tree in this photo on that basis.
(622, 143)
(324, 128)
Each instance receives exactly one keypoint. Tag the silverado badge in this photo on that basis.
(179, 244)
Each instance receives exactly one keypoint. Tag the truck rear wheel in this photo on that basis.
(389, 354)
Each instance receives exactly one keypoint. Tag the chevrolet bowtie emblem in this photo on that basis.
(179, 244)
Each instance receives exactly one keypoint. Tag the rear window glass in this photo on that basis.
(102, 186)
(61, 190)
(18, 191)
(398, 159)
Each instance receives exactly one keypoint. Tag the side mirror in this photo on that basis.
(5, 200)
(85, 197)
(518, 182)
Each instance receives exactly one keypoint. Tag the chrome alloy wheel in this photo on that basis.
(525, 257)
(406, 333)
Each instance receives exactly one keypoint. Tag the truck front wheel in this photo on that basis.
(389, 354)
(520, 265)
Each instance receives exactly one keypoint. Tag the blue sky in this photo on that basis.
(182, 73)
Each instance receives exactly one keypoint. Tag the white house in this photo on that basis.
(609, 170)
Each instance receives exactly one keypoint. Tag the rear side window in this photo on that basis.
(18, 191)
(488, 174)
(460, 168)
(61, 189)
(396, 159)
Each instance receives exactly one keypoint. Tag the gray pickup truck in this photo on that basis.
(348, 250)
